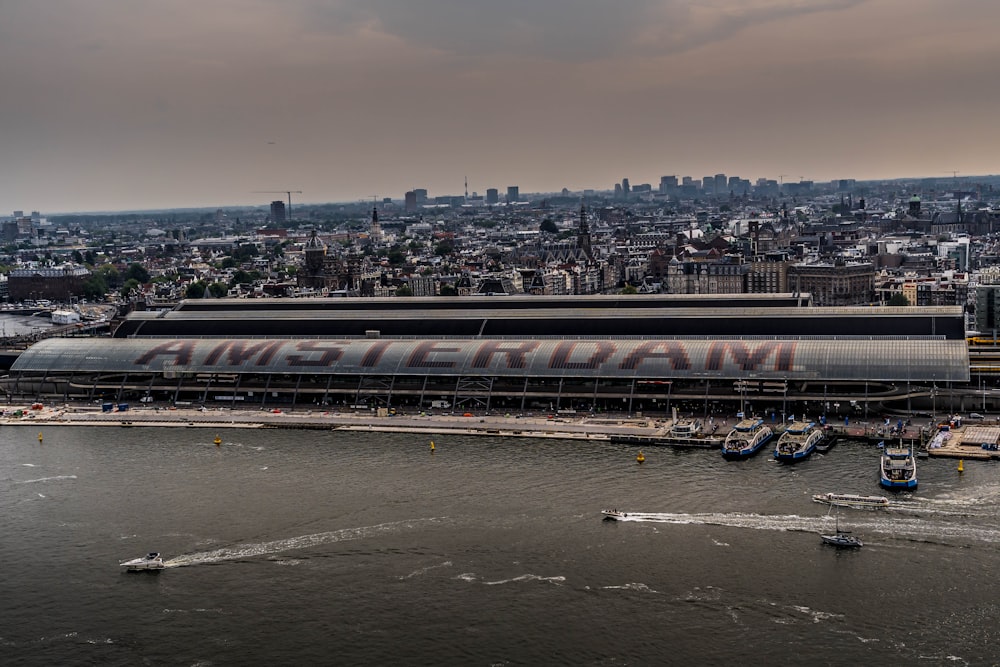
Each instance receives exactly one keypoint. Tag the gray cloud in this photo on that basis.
(560, 29)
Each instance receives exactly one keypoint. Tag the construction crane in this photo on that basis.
(282, 192)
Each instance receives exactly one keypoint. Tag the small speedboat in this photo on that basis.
(150, 561)
(615, 515)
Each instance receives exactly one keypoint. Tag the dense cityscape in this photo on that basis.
(928, 241)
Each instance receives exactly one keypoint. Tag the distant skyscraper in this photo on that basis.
(513, 194)
(720, 184)
(668, 185)
(411, 201)
(626, 188)
(492, 196)
(278, 212)
(421, 194)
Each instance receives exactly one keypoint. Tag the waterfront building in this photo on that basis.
(56, 283)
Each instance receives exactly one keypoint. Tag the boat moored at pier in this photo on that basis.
(798, 441)
(898, 468)
(685, 428)
(746, 438)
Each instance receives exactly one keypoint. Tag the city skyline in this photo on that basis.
(114, 105)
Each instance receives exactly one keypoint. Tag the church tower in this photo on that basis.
(376, 230)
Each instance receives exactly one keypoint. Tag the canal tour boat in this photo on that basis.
(898, 468)
(851, 500)
(746, 438)
(798, 441)
(685, 428)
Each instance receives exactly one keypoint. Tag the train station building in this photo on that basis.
(648, 354)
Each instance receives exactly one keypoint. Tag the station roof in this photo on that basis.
(463, 319)
(890, 359)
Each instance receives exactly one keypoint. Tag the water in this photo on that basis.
(20, 325)
(305, 547)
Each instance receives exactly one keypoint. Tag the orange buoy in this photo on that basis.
(217, 441)
(39, 436)
(640, 457)
(432, 446)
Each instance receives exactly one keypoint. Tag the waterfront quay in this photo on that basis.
(642, 431)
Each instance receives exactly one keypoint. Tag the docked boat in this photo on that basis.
(614, 515)
(685, 428)
(898, 468)
(798, 441)
(746, 438)
(851, 500)
(151, 561)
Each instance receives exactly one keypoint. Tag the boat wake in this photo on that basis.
(894, 527)
(47, 479)
(254, 550)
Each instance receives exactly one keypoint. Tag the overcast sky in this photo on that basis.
(135, 104)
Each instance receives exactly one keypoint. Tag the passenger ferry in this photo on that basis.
(851, 500)
(746, 438)
(898, 468)
(798, 441)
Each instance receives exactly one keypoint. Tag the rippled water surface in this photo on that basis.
(306, 547)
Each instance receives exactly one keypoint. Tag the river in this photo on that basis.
(354, 548)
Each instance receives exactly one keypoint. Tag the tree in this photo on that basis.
(404, 291)
(195, 291)
(95, 287)
(629, 289)
(110, 275)
(445, 247)
(130, 284)
(218, 290)
(898, 299)
(396, 257)
(548, 226)
(78, 257)
(447, 289)
(137, 272)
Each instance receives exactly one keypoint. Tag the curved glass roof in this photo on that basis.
(860, 358)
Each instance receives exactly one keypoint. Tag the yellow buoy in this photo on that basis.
(640, 457)
(961, 465)
(217, 441)
(432, 446)
(39, 436)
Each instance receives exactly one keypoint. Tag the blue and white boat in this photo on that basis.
(898, 468)
(798, 441)
(746, 438)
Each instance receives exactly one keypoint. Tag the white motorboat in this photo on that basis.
(616, 515)
(851, 500)
(151, 561)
